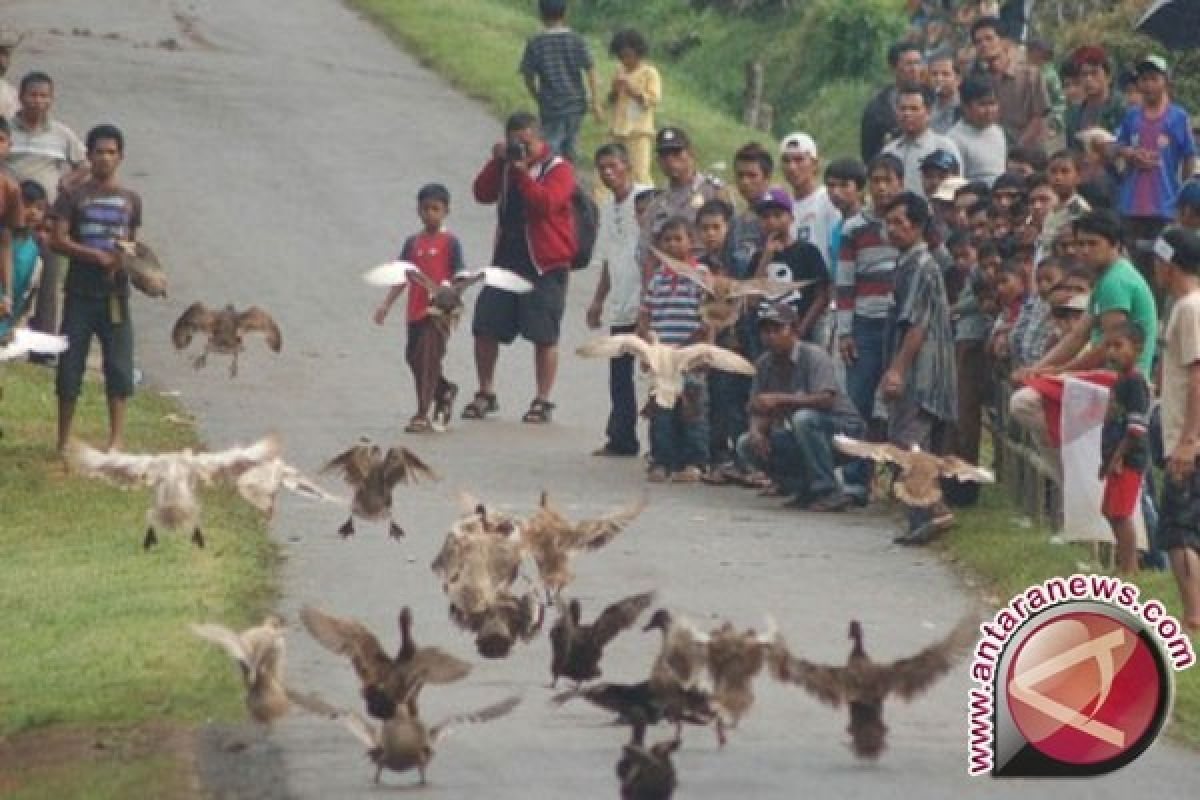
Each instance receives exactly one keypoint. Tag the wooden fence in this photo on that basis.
(1020, 467)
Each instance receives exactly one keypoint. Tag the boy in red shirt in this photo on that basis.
(438, 254)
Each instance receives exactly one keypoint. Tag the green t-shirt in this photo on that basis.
(1122, 288)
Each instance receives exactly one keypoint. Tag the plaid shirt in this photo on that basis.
(1032, 333)
(558, 57)
(920, 296)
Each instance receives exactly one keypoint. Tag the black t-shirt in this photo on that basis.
(512, 247)
(1128, 407)
(799, 261)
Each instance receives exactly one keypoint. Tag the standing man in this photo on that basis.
(43, 150)
(917, 140)
(535, 238)
(752, 168)
(1101, 107)
(9, 100)
(944, 77)
(920, 385)
(1155, 139)
(90, 217)
(979, 139)
(555, 64)
(816, 216)
(619, 290)
(687, 191)
(879, 117)
(1021, 90)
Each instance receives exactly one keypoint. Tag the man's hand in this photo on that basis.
(1182, 462)
(5, 306)
(380, 314)
(109, 261)
(760, 445)
(892, 383)
(848, 350)
(499, 150)
(595, 313)
(771, 247)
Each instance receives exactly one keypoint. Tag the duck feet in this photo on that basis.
(233, 366)
(150, 539)
(199, 361)
(347, 529)
(394, 530)
(721, 737)
(198, 538)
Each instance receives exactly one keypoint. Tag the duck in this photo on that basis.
(666, 363)
(481, 554)
(225, 330)
(678, 674)
(20, 342)
(864, 685)
(145, 271)
(404, 742)
(174, 476)
(386, 682)
(374, 474)
(260, 652)
(644, 699)
(551, 539)
(734, 659)
(507, 617)
(446, 298)
(259, 486)
(647, 773)
(918, 484)
(577, 647)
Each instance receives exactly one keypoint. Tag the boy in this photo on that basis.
(671, 309)
(712, 224)
(785, 258)
(555, 64)
(1123, 450)
(971, 325)
(752, 168)
(1034, 330)
(1178, 257)
(1010, 298)
(438, 254)
(813, 215)
(90, 217)
(27, 259)
(1064, 177)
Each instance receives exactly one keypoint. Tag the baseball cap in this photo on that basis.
(940, 159)
(798, 143)
(1180, 247)
(774, 198)
(1076, 302)
(1189, 195)
(1152, 62)
(781, 313)
(672, 138)
(948, 188)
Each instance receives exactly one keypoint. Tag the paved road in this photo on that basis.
(279, 149)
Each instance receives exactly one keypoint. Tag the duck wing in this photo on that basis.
(196, 318)
(908, 677)
(957, 468)
(765, 287)
(393, 273)
(496, 277)
(358, 726)
(885, 453)
(713, 357)
(23, 341)
(485, 714)
(402, 465)
(919, 483)
(255, 320)
(230, 642)
(353, 464)
(349, 638)
(683, 656)
(619, 616)
(435, 665)
(235, 461)
(313, 703)
(259, 485)
(593, 534)
(123, 469)
(623, 344)
(145, 271)
(697, 275)
(827, 684)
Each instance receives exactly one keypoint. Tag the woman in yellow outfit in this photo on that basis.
(636, 92)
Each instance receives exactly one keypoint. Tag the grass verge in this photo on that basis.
(993, 543)
(93, 629)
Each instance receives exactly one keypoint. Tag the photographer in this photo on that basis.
(535, 238)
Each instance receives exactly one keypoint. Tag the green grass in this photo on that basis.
(106, 780)
(93, 628)
(991, 542)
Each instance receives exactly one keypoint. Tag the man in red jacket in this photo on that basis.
(535, 238)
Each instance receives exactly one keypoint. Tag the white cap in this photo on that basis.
(798, 143)
(1093, 136)
(947, 188)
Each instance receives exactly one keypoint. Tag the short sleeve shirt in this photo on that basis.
(439, 256)
(1122, 288)
(1128, 409)
(920, 301)
(672, 303)
(809, 370)
(799, 261)
(98, 217)
(44, 154)
(1183, 350)
(1152, 192)
(558, 57)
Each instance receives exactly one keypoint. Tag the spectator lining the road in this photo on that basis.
(635, 94)
(26, 259)
(814, 216)
(9, 99)
(785, 258)
(916, 139)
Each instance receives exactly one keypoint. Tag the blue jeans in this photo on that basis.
(679, 435)
(728, 395)
(801, 457)
(862, 379)
(622, 419)
(561, 131)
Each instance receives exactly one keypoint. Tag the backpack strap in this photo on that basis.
(548, 165)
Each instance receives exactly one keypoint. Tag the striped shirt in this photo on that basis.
(864, 271)
(673, 305)
(558, 57)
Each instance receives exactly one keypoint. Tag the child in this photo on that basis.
(1034, 328)
(438, 254)
(1010, 296)
(636, 92)
(671, 309)
(1123, 453)
(785, 258)
(26, 259)
(555, 65)
(752, 169)
(712, 223)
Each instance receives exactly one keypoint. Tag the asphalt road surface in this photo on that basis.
(278, 145)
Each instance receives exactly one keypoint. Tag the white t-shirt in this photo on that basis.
(617, 235)
(1182, 350)
(816, 217)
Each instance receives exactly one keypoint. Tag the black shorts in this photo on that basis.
(1179, 517)
(107, 318)
(536, 316)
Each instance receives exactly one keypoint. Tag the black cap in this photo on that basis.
(672, 139)
(941, 159)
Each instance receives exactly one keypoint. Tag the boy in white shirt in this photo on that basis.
(816, 216)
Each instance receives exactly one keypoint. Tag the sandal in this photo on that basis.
(418, 425)
(481, 405)
(539, 412)
(832, 502)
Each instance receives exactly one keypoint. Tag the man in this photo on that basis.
(90, 218)
(916, 139)
(1101, 107)
(536, 239)
(920, 384)
(1177, 254)
(686, 192)
(943, 75)
(1020, 89)
(1119, 293)
(845, 183)
(980, 140)
(46, 151)
(815, 214)
(752, 168)
(620, 285)
(555, 64)
(9, 99)
(796, 408)
(1155, 140)
(879, 117)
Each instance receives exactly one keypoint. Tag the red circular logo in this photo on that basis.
(1084, 688)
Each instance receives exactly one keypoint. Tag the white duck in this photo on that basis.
(259, 486)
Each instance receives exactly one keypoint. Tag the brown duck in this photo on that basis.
(225, 330)
(735, 658)
(646, 773)
(386, 682)
(578, 647)
(919, 481)
(374, 474)
(864, 685)
(507, 617)
(677, 675)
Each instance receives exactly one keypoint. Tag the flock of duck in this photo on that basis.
(500, 572)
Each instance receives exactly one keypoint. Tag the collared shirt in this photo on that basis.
(558, 57)
(866, 262)
(673, 304)
(920, 295)
(912, 150)
(1021, 93)
(616, 245)
(808, 370)
(44, 154)
(945, 115)
(633, 116)
(680, 201)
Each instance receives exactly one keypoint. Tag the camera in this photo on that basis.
(516, 150)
